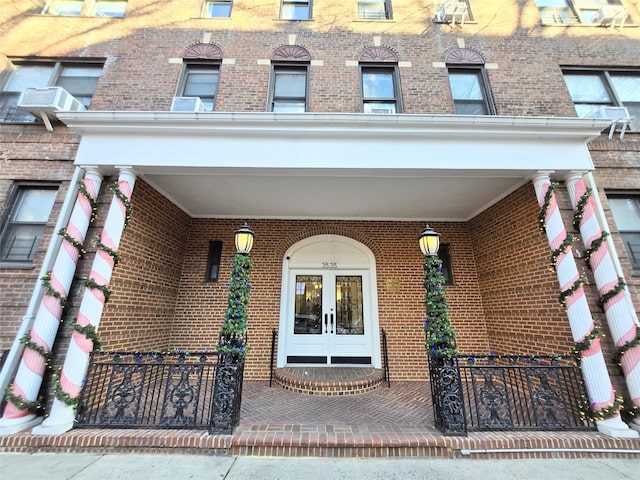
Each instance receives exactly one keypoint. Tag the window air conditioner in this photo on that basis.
(382, 110)
(187, 104)
(619, 116)
(452, 12)
(610, 15)
(46, 102)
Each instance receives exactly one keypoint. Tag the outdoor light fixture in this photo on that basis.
(429, 241)
(244, 239)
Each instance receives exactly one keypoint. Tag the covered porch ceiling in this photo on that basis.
(332, 166)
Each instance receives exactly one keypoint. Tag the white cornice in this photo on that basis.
(337, 125)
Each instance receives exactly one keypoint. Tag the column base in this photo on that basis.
(9, 426)
(616, 428)
(59, 421)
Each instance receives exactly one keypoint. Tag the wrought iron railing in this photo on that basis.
(274, 335)
(385, 358)
(201, 390)
(508, 392)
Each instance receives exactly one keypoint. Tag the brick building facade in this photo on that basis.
(295, 137)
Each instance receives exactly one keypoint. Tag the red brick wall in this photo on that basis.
(519, 292)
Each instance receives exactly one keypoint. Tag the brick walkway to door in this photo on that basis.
(405, 403)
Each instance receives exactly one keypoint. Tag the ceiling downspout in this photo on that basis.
(14, 355)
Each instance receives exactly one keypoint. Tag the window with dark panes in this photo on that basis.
(289, 88)
(626, 212)
(295, 10)
(77, 78)
(374, 9)
(201, 80)
(380, 90)
(217, 9)
(592, 89)
(469, 91)
(28, 211)
(444, 254)
(213, 261)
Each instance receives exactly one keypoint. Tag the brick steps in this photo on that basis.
(329, 381)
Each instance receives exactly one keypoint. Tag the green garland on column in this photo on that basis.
(440, 338)
(542, 216)
(586, 411)
(92, 201)
(577, 216)
(111, 252)
(595, 245)
(605, 297)
(566, 243)
(115, 188)
(233, 333)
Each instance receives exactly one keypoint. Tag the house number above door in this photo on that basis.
(329, 265)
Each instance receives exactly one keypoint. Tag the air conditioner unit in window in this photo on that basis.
(619, 116)
(187, 104)
(611, 15)
(46, 102)
(382, 110)
(452, 12)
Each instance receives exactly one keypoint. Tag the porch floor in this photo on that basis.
(385, 422)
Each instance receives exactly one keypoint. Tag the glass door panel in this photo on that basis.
(308, 305)
(349, 312)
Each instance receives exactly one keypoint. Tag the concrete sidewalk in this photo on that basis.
(62, 466)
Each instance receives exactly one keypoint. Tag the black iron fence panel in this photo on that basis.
(161, 390)
(512, 392)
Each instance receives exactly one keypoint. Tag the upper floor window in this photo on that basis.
(201, 80)
(374, 9)
(217, 9)
(380, 91)
(591, 90)
(456, 11)
(79, 79)
(27, 211)
(295, 10)
(289, 88)
(568, 12)
(469, 90)
(626, 212)
(98, 8)
(468, 82)
(379, 81)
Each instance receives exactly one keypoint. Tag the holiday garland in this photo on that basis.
(566, 243)
(52, 292)
(440, 338)
(91, 283)
(92, 201)
(620, 286)
(21, 403)
(115, 188)
(586, 411)
(542, 216)
(112, 253)
(233, 333)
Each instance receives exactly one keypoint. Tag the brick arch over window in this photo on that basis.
(291, 53)
(280, 247)
(464, 56)
(203, 51)
(378, 55)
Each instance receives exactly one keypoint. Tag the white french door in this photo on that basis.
(329, 318)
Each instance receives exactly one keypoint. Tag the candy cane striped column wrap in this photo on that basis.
(594, 370)
(47, 320)
(619, 317)
(93, 300)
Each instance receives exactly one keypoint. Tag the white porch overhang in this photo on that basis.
(332, 166)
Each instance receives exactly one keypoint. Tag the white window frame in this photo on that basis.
(570, 12)
(630, 234)
(387, 11)
(208, 12)
(88, 8)
(286, 4)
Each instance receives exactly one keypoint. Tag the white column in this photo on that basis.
(594, 369)
(76, 362)
(620, 317)
(31, 370)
